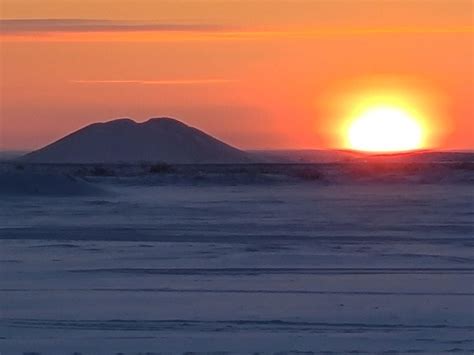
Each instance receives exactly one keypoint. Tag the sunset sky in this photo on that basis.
(255, 73)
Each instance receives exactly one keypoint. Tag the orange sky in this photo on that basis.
(255, 73)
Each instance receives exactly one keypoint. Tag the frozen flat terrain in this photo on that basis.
(138, 265)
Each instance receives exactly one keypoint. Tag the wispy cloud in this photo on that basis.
(157, 82)
(25, 26)
(101, 30)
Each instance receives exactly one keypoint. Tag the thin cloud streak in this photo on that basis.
(95, 30)
(157, 82)
(37, 26)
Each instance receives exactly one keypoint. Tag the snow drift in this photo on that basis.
(21, 183)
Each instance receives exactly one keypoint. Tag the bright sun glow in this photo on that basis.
(385, 129)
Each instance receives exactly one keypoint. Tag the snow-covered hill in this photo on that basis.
(124, 140)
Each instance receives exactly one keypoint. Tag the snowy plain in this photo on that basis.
(261, 263)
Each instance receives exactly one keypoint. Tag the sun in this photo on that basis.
(384, 114)
(385, 129)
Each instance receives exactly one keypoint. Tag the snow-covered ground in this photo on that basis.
(254, 267)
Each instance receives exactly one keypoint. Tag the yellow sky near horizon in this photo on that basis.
(255, 73)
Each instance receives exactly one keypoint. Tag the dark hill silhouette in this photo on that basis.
(124, 140)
